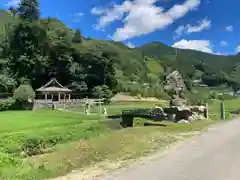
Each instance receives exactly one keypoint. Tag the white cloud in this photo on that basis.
(12, 3)
(238, 49)
(218, 53)
(77, 17)
(188, 29)
(180, 30)
(130, 45)
(199, 45)
(142, 17)
(204, 24)
(112, 14)
(79, 14)
(229, 28)
(97, 11)
(223, 43)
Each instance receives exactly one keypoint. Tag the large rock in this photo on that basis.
(177, 102)
(183, 113)
(171, 110)
(183, 121)
(175, 113)
(174, 82)
(195, 117)
(175, 87)
(198, 109)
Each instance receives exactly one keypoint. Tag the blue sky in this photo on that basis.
(205, 25)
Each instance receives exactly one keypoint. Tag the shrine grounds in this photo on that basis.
(43, 144)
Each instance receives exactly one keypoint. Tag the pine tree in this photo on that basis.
(13, 11)
(26, 45)
(77, 38)
(29, 10)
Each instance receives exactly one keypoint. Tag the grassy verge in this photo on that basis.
(230, 105)
(116, 147)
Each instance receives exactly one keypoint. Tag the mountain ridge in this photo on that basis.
(139, 64)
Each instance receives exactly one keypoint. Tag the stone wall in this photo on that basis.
(185, 114)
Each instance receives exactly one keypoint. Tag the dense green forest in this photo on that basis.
(34, 50)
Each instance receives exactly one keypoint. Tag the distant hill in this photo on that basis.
(145, 63)
(188, 58)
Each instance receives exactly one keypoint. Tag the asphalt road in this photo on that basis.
(213, 155)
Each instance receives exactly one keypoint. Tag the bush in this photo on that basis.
(24, 96)
(24, 92)
(102, 92)
(161, 94)
(39, 145)
(7, 105)
(33, 146)
(197, 99)
(226, 97)
(212, 79)
(213, 95)
(188, 84)
(6, 159)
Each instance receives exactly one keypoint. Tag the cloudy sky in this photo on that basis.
(207, 25)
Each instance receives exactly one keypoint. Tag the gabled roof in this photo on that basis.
(53, 86)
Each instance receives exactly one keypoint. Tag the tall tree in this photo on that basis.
(77, 38)
(29, 10)
(25, 50)
(13, 10)
(60, 53)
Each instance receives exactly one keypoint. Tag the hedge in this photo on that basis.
(7, 105)
(10, 104)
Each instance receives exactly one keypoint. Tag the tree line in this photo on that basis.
(34, 52)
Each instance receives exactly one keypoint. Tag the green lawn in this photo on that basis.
(71, 140)
(17, 121)
(214, 108)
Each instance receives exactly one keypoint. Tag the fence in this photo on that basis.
(85, 106)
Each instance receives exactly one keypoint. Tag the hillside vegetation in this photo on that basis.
(83, 64)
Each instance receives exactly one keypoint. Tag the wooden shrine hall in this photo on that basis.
(55, 91)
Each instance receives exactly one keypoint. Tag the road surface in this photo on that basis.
(213, 155)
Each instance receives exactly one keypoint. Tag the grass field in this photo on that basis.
(63, 141)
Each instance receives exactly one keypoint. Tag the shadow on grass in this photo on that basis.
(153, 124)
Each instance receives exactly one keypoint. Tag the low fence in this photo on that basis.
(87, 101)
(86, 106)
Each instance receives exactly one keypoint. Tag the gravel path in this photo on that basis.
(213, 155)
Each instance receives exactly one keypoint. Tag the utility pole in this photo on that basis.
(222, 110)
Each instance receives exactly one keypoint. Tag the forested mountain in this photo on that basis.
(213, 63)
(35, 49)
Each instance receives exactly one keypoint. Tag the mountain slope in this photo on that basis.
(188, 58)
(132, 64)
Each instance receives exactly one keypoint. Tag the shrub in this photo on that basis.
(161, 94)
(226, 97)
(33, 146)
(7, 105)
(6, 159)
(24, 96)
(197, 99)
(213, 95)
(102, 92)
(24, 92)
(139, 96)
